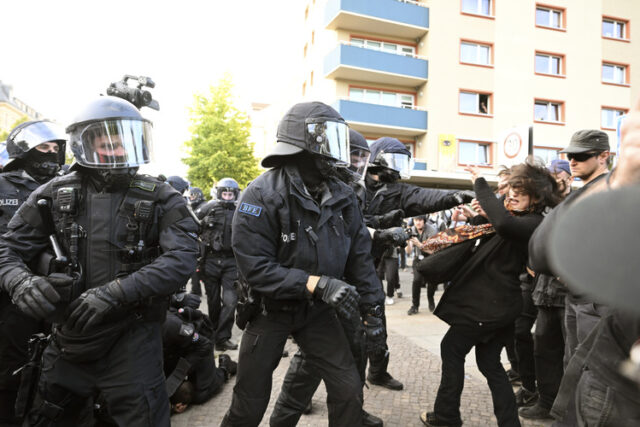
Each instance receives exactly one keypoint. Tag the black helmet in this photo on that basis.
(360, 153)
(178, 183)
(195, 195)
(227, 184)
(28, 135)
(391, 156)
(110, 133)
(314, 127)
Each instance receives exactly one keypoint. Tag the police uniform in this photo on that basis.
(15, 327)
(129, 370)
(218, 269)
(281, 236)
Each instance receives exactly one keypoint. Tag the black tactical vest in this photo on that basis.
(15, 187)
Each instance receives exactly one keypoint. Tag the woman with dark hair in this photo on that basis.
(484, 297)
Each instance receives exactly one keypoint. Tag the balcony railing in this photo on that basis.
(383, 119)
(395, 18)
(367, 65)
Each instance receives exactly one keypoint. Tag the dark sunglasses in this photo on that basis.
(581, 157)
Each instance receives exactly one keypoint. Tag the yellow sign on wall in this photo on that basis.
(446, 152)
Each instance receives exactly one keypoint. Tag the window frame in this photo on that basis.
(562, 57)
(627, 29)
(490, 100)
(626, 73)
(490, 154)
(550, 8)
(477, 43)
(398, 94)
(561, 111)
(492, 10)
(542, 147)
(608, 107)
(399, 45)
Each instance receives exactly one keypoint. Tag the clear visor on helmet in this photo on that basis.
(400, 162)
(359, 161)
(38, 133)
(116, 143)
(329, 138)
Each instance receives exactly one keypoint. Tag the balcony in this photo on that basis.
(382, 119)
(385, 17)
(368, 65)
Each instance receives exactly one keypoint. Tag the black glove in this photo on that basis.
(183, 299)
(376, 334)
(464, 196)
(93, 305)
(33, 295)
(395, 236)
(390, 219)
(338, 294)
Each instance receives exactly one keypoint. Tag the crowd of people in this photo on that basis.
(97, 325)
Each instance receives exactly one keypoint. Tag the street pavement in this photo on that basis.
(414, 344)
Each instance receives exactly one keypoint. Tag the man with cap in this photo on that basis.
(588, 154)
(561, 171)
(35, 152)
(297, 233)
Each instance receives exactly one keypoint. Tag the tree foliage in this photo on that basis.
(219, 146)
(5, 134)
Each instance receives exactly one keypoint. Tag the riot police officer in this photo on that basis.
(384, 195)
(129, 242)
(196, 198)
(36, 151)
(297, 232)
(218, 268)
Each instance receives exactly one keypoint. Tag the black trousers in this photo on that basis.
(455, 346)
(523, 342)
(419, 282)
(388, 269)
(15, 330)
(207, 379)
(549, 353)
(317, 331)
(219, 275)
(130, 380)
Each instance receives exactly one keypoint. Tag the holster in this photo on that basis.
(248, 306)
(30, 375)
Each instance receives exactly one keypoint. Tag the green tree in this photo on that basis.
(219, 146)
(5, 134)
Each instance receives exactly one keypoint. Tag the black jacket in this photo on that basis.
(486, 294)
(15, 187)
(215, 229)
(281, 236)
(103, 218)
(413, 200)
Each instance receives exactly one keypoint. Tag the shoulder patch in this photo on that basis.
(246, 208)
(143, 185)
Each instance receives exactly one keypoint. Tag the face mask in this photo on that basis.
(41, 166)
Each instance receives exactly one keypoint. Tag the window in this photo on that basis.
(609, 117)
(548, 111)
(549, 64)
(475, 53)
(475, 103)
(313, 37)
(304, 88)
(614, 73)
(305, 50)
(474, 153)
(477, 7)
(614, 29)
(311, 79)
(546, 154)
(382, 97)
(552, 18)
(396, 48)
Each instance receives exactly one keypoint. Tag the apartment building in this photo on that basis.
(479, 82)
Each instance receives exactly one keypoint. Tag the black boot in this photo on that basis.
(369, 420)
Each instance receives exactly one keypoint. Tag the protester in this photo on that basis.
(484, 298)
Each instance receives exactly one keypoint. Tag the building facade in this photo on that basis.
(13, 109)
(473, 81)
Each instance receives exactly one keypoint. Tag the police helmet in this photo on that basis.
(110, 133)
(28, 135)
(227, 184)
(360, 153)
(314, 127)
(179, 183)
(390, 155)
(195, 195)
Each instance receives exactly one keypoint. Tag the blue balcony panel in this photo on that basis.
(367, 65)
(385, 17)
(382, 119)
